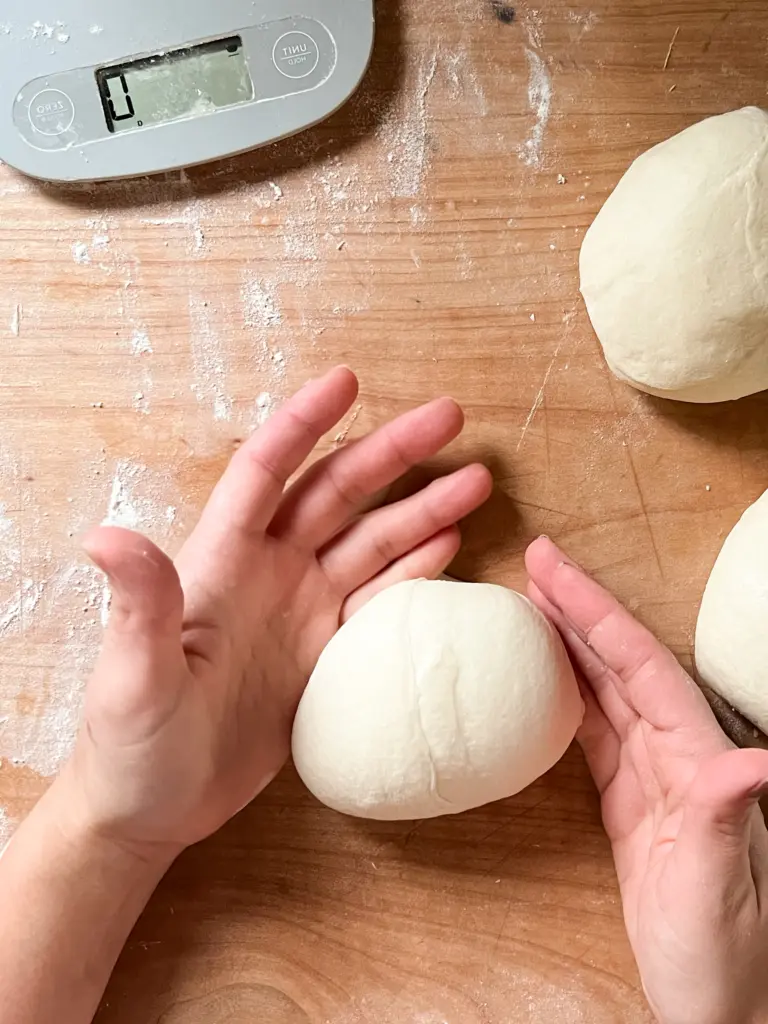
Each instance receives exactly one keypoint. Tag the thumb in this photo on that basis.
(142, 641)
(719, 817)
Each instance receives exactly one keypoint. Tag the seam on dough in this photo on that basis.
(459, 726)
(435, 788)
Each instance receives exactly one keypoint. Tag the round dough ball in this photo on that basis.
(674, 270)
(731, 632)
(434, 698)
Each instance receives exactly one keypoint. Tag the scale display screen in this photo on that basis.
(175, 85)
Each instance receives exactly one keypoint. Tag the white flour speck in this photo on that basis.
(140, 343)
(264, 408)
(121, 511)
(80, 253)
(16, 320)
(141, 402)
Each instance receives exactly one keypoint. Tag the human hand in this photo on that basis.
(679, 805)
(189, 711)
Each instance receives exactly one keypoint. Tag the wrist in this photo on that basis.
(71, 895)
(67, 815)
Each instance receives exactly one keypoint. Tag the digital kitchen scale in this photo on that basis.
(92, 90)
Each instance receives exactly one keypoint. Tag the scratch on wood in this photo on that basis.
(538, 399)
(16, 320)
(645, 511)
(671, 48)
(504, 920)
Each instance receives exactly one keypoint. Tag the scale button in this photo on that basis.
(296, 54)
(51, 112)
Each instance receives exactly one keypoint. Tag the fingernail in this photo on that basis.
(544, 536)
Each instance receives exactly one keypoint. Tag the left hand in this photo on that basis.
(679, 805)
(188, 714)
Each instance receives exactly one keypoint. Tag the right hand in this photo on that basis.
(679, 804)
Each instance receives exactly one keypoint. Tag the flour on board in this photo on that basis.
(404, 132)
(584, 20)
(539, 96)
(260, 304)
(140, 343)
(6, 829)
(57, 614)
(80, 253)
(264, 406)
(209, 368)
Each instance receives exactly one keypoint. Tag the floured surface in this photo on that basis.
(427, 235)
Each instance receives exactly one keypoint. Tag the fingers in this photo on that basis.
(427, 561)
(143, 634)
(648, 678)
(383, 536)
(722, 827)
(327, 497)
(595, 674)
(596, 736)
(246, 497)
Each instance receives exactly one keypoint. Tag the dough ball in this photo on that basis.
(674, 270)
(434, 698)
(732, 629)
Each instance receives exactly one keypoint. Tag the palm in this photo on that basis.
(260, 587)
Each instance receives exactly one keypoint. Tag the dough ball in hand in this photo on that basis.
(732, 628)
(674, 270)
(434, 698)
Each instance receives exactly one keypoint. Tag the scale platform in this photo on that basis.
(92, 91)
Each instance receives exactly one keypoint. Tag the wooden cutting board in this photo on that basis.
(428, 235)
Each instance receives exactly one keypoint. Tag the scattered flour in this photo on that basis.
(80, 253)
(584, 20)
(263, 409)
(209, 367)
(51, 625)
(14, 615)
(6, 829)
(140, 343)
(539, 90)
(405, 131)
(121, 510)
(260, 305)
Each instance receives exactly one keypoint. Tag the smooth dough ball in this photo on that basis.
(674, 270)
(732, 629)
(434, 698)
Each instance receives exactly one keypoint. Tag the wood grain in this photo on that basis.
(417, 237)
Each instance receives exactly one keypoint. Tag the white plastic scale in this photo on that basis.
(95, 89)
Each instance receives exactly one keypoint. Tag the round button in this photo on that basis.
(296, 54)
(51, 112)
